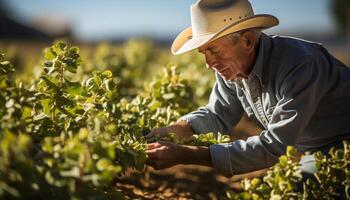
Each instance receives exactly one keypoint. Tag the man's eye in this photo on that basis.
(215, 51)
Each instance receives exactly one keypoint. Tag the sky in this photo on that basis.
(103, 19)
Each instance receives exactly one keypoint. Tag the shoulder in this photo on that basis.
(293, 51)
(289, 54)
(294, 62)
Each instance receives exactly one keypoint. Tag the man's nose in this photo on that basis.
(208, 66)
(211, 65)
(211, 61)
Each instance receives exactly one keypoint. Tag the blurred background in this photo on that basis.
(90, 22)
(132, 38)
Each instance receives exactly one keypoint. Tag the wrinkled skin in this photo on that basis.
(231, 60)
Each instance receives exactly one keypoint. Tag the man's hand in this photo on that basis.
(163, 155)
(181, 129)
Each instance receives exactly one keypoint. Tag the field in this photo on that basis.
(73, 120)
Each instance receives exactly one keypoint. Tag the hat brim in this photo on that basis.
(185, 42)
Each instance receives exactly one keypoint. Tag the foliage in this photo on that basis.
(70, 135)
(279, 182)
(331, 181)
(17, 170)
(196, 140)
(333, 177)
(58, 118)
(132, 60)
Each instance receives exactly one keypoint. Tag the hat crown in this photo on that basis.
(211, 16)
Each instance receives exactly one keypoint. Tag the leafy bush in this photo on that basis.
(65, 138)
(331, 181)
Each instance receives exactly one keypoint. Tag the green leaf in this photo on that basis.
(56, 65)
(59, 47)
(291, 151)
(12, 191)
(168, 96)
(103, 164)
(276, 197)
(74, 172)
(49, 178)
(47, 106)
(39, 117)
(50, 54)
(49, 83)
(6, 67)
(283, 160)
(107, 74)
(256, 182)
(62, 101)
(230, 194)
(71, 66)
(2, 101)
(73, 88)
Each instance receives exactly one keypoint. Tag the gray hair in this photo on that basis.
(233, 37)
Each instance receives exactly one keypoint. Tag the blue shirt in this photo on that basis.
(297, 92)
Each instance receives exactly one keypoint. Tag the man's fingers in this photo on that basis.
(157, 132)
(153, 145)
(152, 154)
(162, 154)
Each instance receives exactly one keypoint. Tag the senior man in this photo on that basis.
(295, 90)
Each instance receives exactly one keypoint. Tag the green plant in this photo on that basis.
(279, 183)
(331, 181)
(196, 140)
(333, 176)
(77, 136)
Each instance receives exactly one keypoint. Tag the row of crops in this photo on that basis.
(71, 126)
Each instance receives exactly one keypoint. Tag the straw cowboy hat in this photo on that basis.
(212, 19)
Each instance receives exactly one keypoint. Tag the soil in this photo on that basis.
(180, 182)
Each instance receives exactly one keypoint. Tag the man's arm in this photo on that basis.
(182, 129)
(163, 154)
(222, 112)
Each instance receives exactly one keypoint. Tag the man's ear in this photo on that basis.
(249, 41)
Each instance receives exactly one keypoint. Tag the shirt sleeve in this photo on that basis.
(222, 112)
(300, 92)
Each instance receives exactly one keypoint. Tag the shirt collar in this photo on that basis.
(258, 66)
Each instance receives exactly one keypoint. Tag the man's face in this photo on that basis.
(227, 58)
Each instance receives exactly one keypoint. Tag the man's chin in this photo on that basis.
(226, 78)
(233, 78)
(239, 77)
